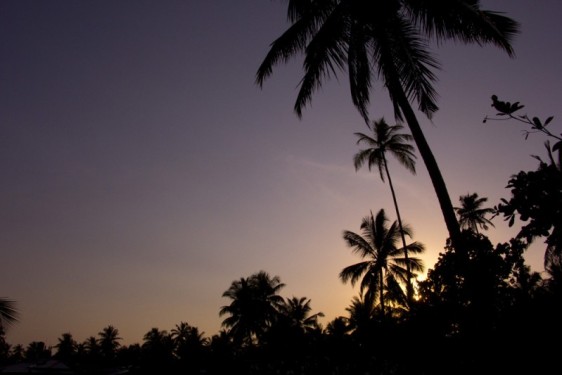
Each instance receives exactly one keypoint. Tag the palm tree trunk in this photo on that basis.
(381, 293)
(447, 210)
(409, 289)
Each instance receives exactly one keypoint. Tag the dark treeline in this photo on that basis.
(478, 310)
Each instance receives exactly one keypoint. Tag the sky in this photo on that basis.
(143, 170)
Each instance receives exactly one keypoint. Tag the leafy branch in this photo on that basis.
(507, 111)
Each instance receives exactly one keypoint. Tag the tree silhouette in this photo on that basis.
(386, 138)
(362, 314)
(471, 213)
(109, 343)
(388, 40)
(297, 312)
(66, 348)
(157, 349)
(37, 352)
(536, 196)
(189, 346)
(254, 306)
(384, 262)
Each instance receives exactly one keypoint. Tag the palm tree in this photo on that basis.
(188, 341)
(91, 344)
(157, 351)
(384, 262)
(388, 39)
(8, 312)
(17, 353)
(109, 342)
(362, 313)
(66, 347)
(471, 213)
(37, 352)
(254, 306)
(183, 332)
(338, 327)
(387, 138)
(297, 311)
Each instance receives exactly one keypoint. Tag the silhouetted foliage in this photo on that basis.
(471, 213)
(157, 352)
(536, 196)
(108, 344)
(382, 269)
(66, 348)
(190, 347)
(37, 352)
(389, 139)
(254, 307)
(8, 312)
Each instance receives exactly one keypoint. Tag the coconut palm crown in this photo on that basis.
(384, 263)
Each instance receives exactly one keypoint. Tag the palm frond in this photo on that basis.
(325, 55)
(354, 272)
(359, 69)
(359, 245)
(8, 312)
(464, 21)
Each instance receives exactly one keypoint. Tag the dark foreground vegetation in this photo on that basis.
(480, 309)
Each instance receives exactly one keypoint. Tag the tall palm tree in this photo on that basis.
(254, 306)
(384, 262)
(471, 213)
(390, 40)
(8, 312)
(386, 138)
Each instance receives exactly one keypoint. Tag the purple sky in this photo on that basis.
(143, 170)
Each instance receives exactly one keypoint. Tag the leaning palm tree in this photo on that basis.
(471, 213)
(390, 40)
(254, 306)
(384, 262)
(8, 312)
(387, 138)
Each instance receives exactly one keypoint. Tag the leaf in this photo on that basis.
(537, 122)
(511, 221)
(515, 107)
(548, 120)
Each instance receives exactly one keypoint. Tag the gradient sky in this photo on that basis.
(143, 170)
